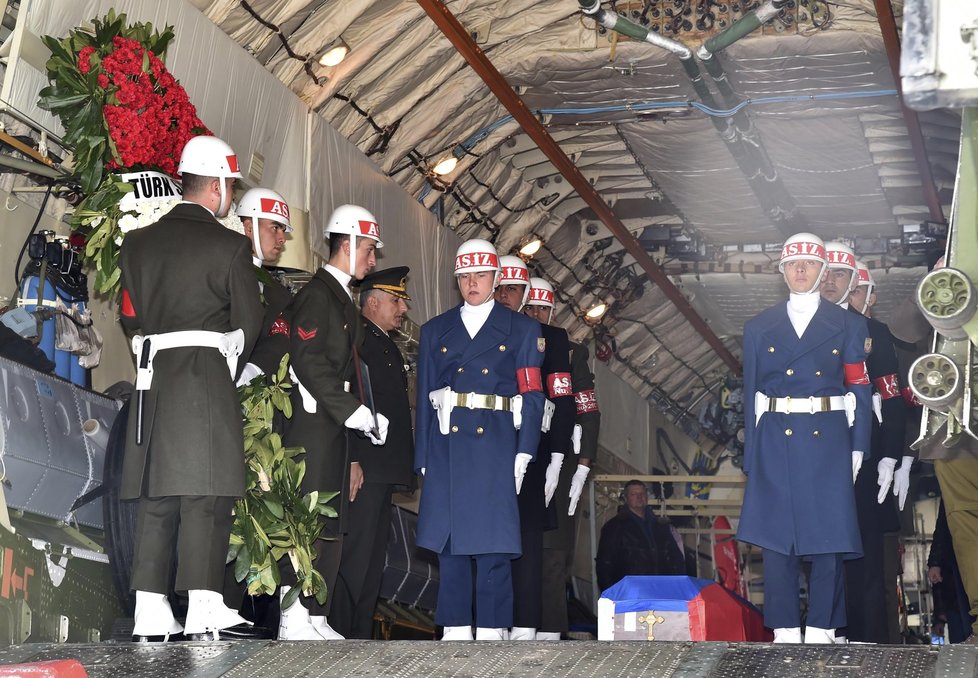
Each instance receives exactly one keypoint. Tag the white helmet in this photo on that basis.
(804, 246)
(356, 222)
(208, 156)
(515, 272)
(865, 279)
(542, 294)
(839, 255)
(476, 255)
(264, 203)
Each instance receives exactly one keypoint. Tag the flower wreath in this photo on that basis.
(122, 110)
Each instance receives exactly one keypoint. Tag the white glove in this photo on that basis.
(382, 425)
(522, 461)
(248, 372)
(553, 476)
(363, 420)
(857, 462)
(577, 486)
(901, 481)
(885, 468)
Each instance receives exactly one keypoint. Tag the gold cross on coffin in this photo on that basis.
(650, 620)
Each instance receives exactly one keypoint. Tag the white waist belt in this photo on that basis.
(229, 344)
(444, 400)
(806, 405)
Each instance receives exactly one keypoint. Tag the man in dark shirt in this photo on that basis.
(637, 542)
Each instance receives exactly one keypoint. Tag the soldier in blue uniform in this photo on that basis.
(479, 410)
(537, 514)
(866, 581)
(807, 409)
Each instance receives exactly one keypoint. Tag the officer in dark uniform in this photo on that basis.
(807, 427)
(479, 410)
(866, 581)
(559, 544)
(189, 284)
(325, 333)
(265, 216)
(383, 304)
(537, 513)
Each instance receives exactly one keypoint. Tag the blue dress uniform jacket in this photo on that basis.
(469, 494)
(799, 498)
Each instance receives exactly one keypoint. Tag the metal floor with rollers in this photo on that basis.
(270, 659)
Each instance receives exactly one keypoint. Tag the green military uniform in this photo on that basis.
(273, 342)
(324, 326)
(186, 272)
(559, 544)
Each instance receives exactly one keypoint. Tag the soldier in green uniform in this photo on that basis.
(326, 331)
(265, 216)
(189, 284)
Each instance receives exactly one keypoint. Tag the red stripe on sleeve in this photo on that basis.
(856, 374)
(888, 386)
(127, 308)
(559, 384)
(586, 401)
(529, 379)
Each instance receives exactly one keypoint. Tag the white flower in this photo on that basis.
(232, 221)
(128, 222)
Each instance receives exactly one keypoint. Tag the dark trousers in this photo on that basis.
(328, 553)
(493, 591)
(557, 568)
(362, 562)
(826, 591)
(528, 581)
(200, 527)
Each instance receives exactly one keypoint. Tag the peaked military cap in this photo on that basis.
(390, 280)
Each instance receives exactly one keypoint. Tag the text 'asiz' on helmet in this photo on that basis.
(264, 203)
(515, 272)
(802, 246)
(354, 221)
(476, 255)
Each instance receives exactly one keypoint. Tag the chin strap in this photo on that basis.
(255, 239)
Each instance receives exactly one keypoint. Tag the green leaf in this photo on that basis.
(291, 597)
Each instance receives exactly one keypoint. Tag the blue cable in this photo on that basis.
(467, 145)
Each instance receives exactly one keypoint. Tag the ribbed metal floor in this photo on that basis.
(270, 659)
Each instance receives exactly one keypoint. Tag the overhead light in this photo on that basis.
(596, 311)
(445, 165)
(531, 247)
(335, 54)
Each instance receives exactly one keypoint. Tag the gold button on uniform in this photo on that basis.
(461, 369)
(818, 373)
(502, 347)
(485, 370)
(480, 430)
(444, 349)
(770, 349)
(454, 429)
(789, 371)
(788, 432)
(835, 351)
(816, 434)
